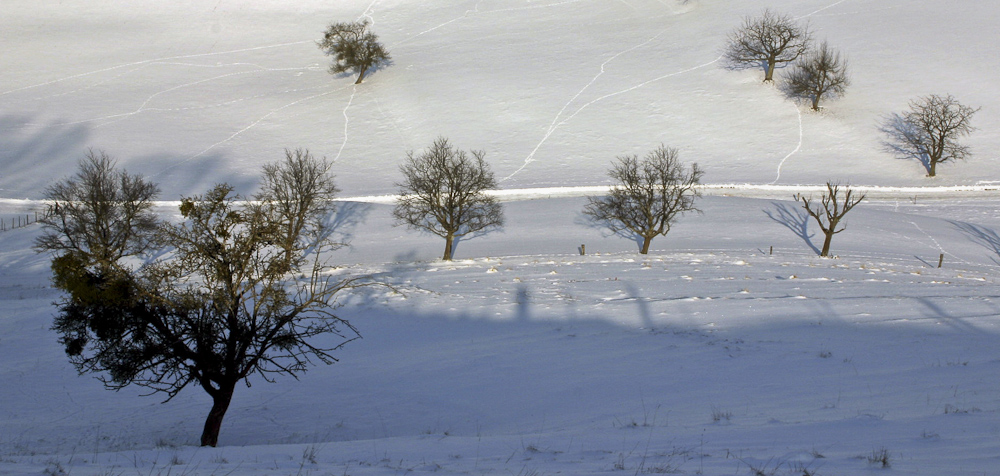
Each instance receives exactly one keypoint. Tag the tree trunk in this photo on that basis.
(930, 173)
(220, 403)
(361, 77)
(815, 102)
(769, 74)
(645, 244)
(826, 243)
(447, 246)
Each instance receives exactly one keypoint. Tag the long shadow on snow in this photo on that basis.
(982, 236)
(793, 219)
(33, 156)
(517, 367)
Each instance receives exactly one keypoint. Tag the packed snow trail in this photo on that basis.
(156, 60)
(797, 147)
(241, 131)
(821, 9)
(553, 126)
(616, 93)
(347, 121)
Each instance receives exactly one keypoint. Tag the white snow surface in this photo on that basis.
(730, 349)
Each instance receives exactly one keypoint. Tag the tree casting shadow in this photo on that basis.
(794, 219)
(902, 136)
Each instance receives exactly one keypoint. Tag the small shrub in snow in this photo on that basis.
(879, 457)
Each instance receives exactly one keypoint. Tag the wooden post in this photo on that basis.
(940, 260)
(771, 251)
(583, 250)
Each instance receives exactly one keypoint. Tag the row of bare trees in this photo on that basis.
(240, 287)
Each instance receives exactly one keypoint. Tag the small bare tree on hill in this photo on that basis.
(822, 73)
(830, 211)
(770, 39)
(353, 47)
(299, 193)
(442, 193)
(930, 130)
(648, 195)
(100, 215)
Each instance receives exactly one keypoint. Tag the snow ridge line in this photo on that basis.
(623, 91)
(797, 147)
(748, 190)
(553, 126)
(155, 60)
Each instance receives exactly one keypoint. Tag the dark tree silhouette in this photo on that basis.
(822, 73)
(442, 193)
(831, 209)
(648, 195)
(930, 130)
(353, 47)
(226, 301)
(770, 39)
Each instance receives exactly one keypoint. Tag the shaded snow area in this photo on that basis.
(731, 349)
(711, 355)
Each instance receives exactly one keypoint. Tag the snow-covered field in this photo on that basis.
(711, 355)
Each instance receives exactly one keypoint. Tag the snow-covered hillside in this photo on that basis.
(196, 92)
(711, 355)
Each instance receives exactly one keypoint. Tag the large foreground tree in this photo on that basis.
(226, 301)
(648, 195)
(769, 39)
(930, 130)
(443, 193)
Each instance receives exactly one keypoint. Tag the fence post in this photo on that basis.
(940, 260)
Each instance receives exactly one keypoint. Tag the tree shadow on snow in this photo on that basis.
(982, 236)
(606, 229)
(794, 219)
(33, 156)
(901, 135)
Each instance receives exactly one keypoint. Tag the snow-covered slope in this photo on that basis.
(711, 355)
(193, 93)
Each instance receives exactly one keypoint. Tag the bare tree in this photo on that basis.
(100, 215)
(442, 193)
(648, 195)
(822, 73)
(353, 47)
(770, 39)
(930, 130)
(224, 303)
(831, 209)
(299, 194)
